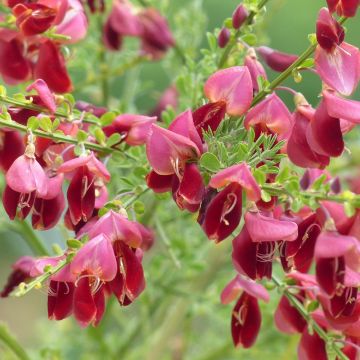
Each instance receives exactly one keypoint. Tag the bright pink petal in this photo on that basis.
(44, 93)
(262, 228)
(241, 175)
(232, 85)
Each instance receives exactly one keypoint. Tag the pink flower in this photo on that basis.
(229, 91)
(276, 60)
(135, 129)
(46, 97)
(346, 8)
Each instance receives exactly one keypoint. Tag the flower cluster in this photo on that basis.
(147, 25)
(30, 44)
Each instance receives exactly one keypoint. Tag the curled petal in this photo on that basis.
(60, 300)
(234, 288)
(340, 108)
(44, 93)
(241, 175)
(262, 228)
(232, 85)
(159, 183)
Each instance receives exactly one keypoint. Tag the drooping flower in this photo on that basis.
(276, 60)
(336, 62)
(81, 192)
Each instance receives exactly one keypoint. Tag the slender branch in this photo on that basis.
(303, 312)
(57, 137)
(30, 106)
(35, 243)
(278, 190)
(233, 42)
(10, 341)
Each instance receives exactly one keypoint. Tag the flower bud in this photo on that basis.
(276, 60)
(223, 37)
(239, 16)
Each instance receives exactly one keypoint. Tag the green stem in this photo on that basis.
(30, 106)
(57, 137)
(10, 341)
(278, 190)
(35, 243)
(23, 288)
(233, 42)
(303, 312)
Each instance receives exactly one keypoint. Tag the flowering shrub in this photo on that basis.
(253, 171)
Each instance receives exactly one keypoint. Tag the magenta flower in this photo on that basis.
(241, 175)
(311, 347)
(346, 8)
(270, 115)
(255, 68)
(156, 36)
(245, 321)
(11, 147)
(298, 147)
(46, 97)
(134, 129)
(239, 16)
(81, 192)
(20, 273)
(329, 32)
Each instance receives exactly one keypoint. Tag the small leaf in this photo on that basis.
(265, 196)
(139, 207)
(45, 124)
(33, 123)
(210, 162)
(113, 139)
(107, 118)
(250, 39)
(74, 243)
(81, 136)
(312, 306)
(349, 209)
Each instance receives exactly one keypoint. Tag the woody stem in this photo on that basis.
(304, 313)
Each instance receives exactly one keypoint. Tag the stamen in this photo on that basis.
(270, 250)
(241, 314)
(228, 207)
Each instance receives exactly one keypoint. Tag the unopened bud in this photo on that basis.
(239, 16)
(276, 60)
(223, 37)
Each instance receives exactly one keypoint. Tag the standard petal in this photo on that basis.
(232, 85)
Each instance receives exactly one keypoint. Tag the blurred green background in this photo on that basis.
(202, 330)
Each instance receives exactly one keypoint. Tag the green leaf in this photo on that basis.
(308, 63)
(228, 23)
(74, 243)
(113, 139)
(349, 209)
(139, 207)
(107, 118)
(250, 39)
(100, 136)
(317, 184)
(2, 90)
(45, 124)
(283, 175)
(33, 123)
(212, 41)
(265, 196)
(210, 162)
(81, 136)
(312, 306)
(259, 176)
